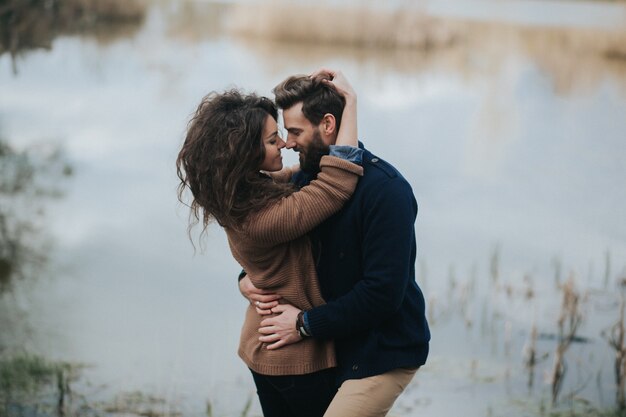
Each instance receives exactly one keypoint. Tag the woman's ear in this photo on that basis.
(329, 124)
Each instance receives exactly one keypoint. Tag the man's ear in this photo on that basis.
(328, 125)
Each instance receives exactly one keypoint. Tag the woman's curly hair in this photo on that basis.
(221, 156)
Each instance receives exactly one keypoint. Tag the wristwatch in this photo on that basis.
(300, 328)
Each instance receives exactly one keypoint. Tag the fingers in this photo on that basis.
(273, 338)
(264, 309)
(247, 288)
(271, 333)
(262, 312)
(277, 345)
(268, 332)
(265, 305)
(336, 80)
(265, 323)
(279, 308)
(323, 72)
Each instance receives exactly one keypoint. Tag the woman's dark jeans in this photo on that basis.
(295, 395)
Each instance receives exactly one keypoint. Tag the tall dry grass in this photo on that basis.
(530, 356)
(569, 321)
(616, 339)
(362, 25)
(358, 25)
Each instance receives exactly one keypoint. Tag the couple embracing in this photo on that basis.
(336, 324)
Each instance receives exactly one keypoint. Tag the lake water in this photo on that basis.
(514, 144)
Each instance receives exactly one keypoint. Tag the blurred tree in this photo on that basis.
(27, 179)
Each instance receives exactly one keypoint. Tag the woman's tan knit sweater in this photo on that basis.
(273, 248)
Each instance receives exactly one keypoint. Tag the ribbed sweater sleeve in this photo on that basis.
(297, 214)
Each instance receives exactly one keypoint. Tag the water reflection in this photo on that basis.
(193, 21)
(34, 25)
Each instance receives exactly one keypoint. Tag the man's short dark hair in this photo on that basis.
(317, 98)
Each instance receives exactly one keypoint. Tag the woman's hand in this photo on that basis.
(337, 80)
(348, 133)
(262, 300)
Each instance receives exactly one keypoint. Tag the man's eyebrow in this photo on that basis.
(294, 129)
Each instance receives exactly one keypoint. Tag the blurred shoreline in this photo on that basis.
(411, 28)
(34, 25)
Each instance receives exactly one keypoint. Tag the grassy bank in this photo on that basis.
(31, 385)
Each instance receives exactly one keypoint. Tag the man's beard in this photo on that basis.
(310, 158)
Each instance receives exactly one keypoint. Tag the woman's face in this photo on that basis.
(273, 144)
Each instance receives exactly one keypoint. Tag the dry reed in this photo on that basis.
(568, 323)
(607, 269)
(494, 266)
(556, 263)
(530, 355)
(616, 341)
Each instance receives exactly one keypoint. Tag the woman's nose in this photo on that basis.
(281, 143)
(289, 144)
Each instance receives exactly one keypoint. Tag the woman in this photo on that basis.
(231, 145)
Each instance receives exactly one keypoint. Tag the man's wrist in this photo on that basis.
(301, 327)
(352, 154)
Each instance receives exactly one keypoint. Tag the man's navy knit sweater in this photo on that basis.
(365, 260)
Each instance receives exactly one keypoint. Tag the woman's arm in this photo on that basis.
(348, 133)
(297, 214)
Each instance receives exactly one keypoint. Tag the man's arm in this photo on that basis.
(388, 257)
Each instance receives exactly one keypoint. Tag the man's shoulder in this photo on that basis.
(381, 180)
(377, 170)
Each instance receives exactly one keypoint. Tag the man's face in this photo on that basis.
(304, 138)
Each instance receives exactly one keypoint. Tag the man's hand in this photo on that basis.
(281, 329)
(263, 300)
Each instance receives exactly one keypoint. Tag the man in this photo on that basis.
(365, 260)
